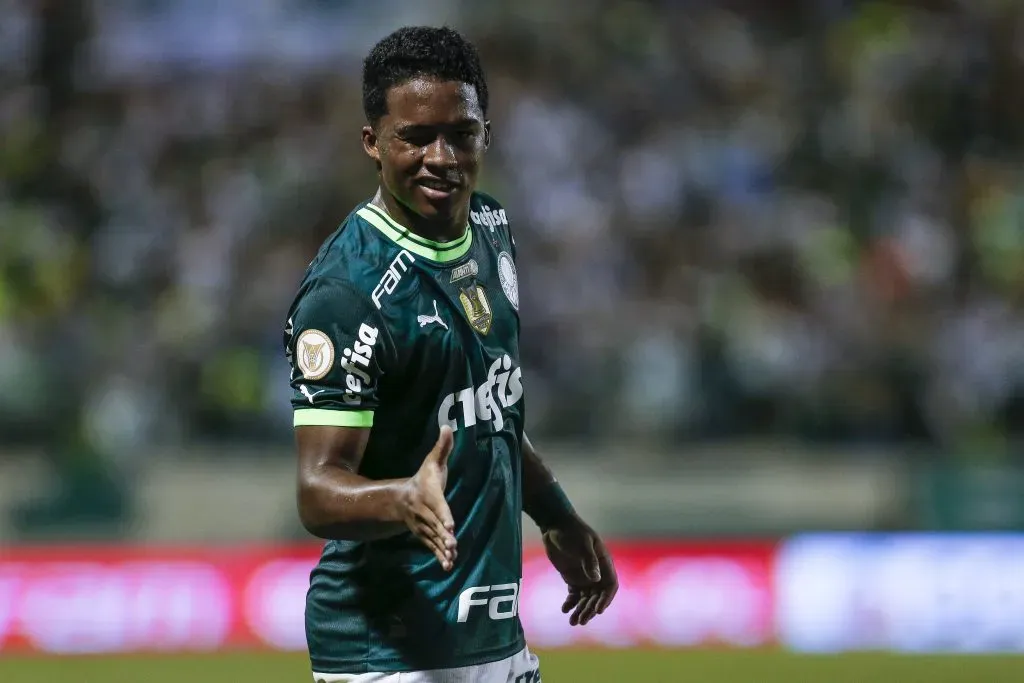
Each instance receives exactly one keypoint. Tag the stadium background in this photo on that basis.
(773, 298)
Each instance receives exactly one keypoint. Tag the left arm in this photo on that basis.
(573, 547)
(538, 481)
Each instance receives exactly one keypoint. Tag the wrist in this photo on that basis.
(402, 493)
(550, 507)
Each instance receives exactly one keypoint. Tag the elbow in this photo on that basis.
(312, 515)
(332, 509)
(314, 526)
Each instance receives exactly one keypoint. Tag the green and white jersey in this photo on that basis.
(399, 334)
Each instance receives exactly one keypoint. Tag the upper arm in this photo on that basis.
(325, 446)
(535, 473)
(325, 454)
(338, 350)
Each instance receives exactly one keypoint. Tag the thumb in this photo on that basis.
(591, 566)
(443, 448)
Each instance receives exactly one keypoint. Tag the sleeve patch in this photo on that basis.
(314, 354)
(336, 346)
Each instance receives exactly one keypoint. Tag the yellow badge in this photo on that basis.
(478, 309)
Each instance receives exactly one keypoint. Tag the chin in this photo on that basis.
(438, 211)
(426, 213)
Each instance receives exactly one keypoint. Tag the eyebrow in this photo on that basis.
(419, 127)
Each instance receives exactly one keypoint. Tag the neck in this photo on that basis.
(444, 230)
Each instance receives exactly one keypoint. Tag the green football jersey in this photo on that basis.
(401, 335)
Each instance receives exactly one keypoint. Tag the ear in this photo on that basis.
(370, 142)
(487, 135)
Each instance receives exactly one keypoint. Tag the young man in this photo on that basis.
(409, 406)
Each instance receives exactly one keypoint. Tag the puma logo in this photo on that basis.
(310, 394)
(425, 320)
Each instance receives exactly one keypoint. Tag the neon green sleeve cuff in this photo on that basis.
(318, 417)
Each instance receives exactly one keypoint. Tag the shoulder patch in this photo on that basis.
(314, 354)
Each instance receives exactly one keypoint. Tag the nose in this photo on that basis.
(440, 154)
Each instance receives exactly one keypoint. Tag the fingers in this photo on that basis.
(589, 571)
(445, 552)
(590, 604)
(585, 610)
(445, 556)
(443, 514)
(440, 516)
(610, 579)
(607, 596)
(571, 600)
(597, 605)
(428, 515)
(587, 603)
(438, 535)
(574, 618)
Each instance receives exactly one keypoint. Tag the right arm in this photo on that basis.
(339, 348)
(337, 503)
(334, 501)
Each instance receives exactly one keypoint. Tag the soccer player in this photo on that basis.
(409, 402)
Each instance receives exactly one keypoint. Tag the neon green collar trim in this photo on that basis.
(442, 252)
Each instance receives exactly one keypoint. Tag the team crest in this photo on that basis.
(507, 276)
(314, 354)
(478, 309)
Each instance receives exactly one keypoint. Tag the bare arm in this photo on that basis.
(334, 501)
(337, 503)
(543, 500)
(574, 548)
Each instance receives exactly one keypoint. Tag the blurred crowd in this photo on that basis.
(786, 219)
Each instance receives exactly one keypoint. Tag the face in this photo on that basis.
(429, 146)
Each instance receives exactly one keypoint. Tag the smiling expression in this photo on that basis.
(429, 147)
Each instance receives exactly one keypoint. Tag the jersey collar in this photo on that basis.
(441, 252)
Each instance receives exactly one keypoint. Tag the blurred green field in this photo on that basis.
(587, 666)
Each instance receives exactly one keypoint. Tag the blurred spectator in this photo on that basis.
(807, 221)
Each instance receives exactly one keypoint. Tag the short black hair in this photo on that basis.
(419, 51)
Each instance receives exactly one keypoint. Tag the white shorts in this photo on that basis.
(522, 667)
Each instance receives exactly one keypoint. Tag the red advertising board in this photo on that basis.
(117, 599)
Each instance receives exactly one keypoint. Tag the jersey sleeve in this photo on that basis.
(338, 349)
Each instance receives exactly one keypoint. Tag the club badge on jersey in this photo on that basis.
(508, 279)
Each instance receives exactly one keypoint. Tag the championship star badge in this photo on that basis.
(478, 309)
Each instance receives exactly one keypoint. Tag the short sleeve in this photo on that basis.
(337, 348)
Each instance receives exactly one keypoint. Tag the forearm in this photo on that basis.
(543, 498)
(337, 504)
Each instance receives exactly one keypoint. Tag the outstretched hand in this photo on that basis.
(425, 510)
(586, 566)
